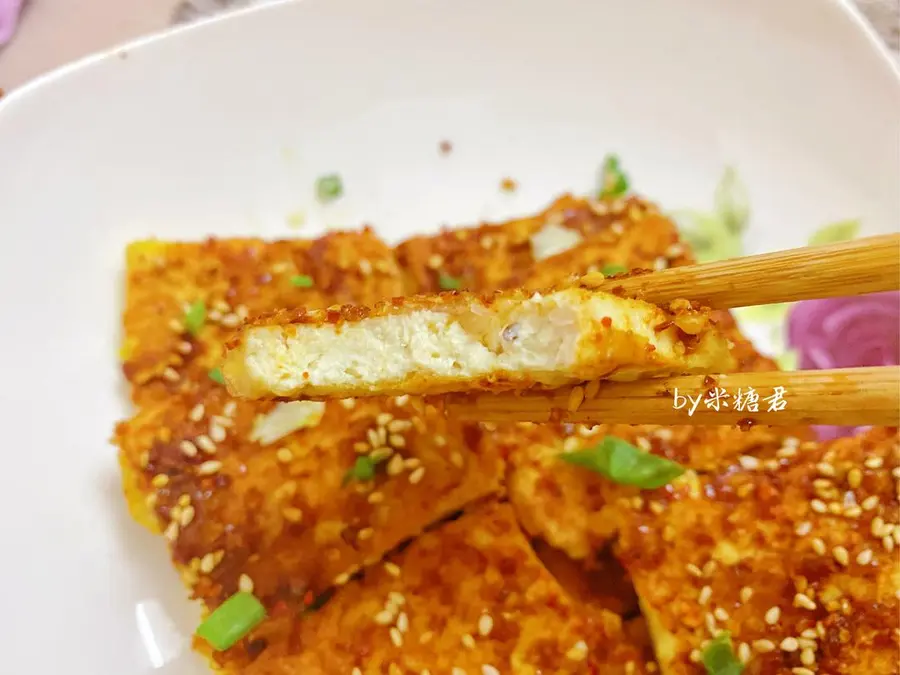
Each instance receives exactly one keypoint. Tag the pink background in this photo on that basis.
(54, 32)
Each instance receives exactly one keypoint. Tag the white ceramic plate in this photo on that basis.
(222, 128)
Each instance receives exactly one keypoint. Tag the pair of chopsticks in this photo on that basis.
(845, 397)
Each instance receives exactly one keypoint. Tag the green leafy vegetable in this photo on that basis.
(216, 376)
(329, 188)
(448, 283)
(731, 202)
(195, 317)
(612, 269)
(834, 233)
(362, 470)
(708, 235)
(232, 620)
(787, 360)
(302, 281)
(719, 658)
(623, 463)
(613, 181)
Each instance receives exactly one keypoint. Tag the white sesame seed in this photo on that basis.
(205, 443)
(230, 408)
(356, 671)
(854, 478)
(773, 615)
(217, 432)
(397, 598)
(864, 557)
(392, 568)
(171, 375)
(711, 626)
(876, 526)
(160, 480)
(874, 463)
(807, 643)
(230, 320)
(695, 656)
(746, 594)
(417, 475)
(802, 671)
(789, 644)
(818, 506)
(468, 641)
(375, 498)
(209, 467)
(365, 533)
(457, 671)
(763, 646)
(208, 563)
(804, 601)
(810, 634)
(852, 511)
(188, 449)
(184, 347)
(709, 568)
(704, 595)
(292, 514)
(172, 531)
(384, 617)
(888, 543)
(896, 534)
(197, 412)
(485, 625)
(818, 546)
(693, 570)
(721, 614)
(744, 653)
(245, 584)
(489, 670)
(395, 466)
(803, 528)
(578, 651)
(841, 556)
(284, 455)
(456, 459)
(187, 515)
(402, 622)
(184, 500)
(176, 326)
(869, 503)
(396, 637)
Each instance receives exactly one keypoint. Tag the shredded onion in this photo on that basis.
(845, 333)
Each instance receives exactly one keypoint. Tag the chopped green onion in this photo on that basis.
(719, 658)
(232, 620)
(216, 376)
(834, 233)
(623, 463)
(302, 281)
(362, 470)
(448, 283)
(329, 188)
(612, 269)
(195, 317)
(613, 181)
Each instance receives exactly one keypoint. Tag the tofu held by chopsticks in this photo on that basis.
(458, 341)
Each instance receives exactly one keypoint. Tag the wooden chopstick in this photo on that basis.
(857, 267)
(844, 397)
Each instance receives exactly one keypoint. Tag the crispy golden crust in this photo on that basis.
(796, 558)
(234, 279)
(467, 595)
(579, 511)
(609, 338)
(247, 507)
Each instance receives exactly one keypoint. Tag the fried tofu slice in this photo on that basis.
(289, 497)
(183, 300)
(469, 596)
(579, 511)
(795, 558)
(434, 344)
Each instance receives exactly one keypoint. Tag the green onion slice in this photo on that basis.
(448, 283)
(329, 188)
(623, 463)
(719, 658)
(232, 620)
(613, 181)
(302, 281)
(216, 376)
(195, 317)
(612, 269)
(362, 470)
